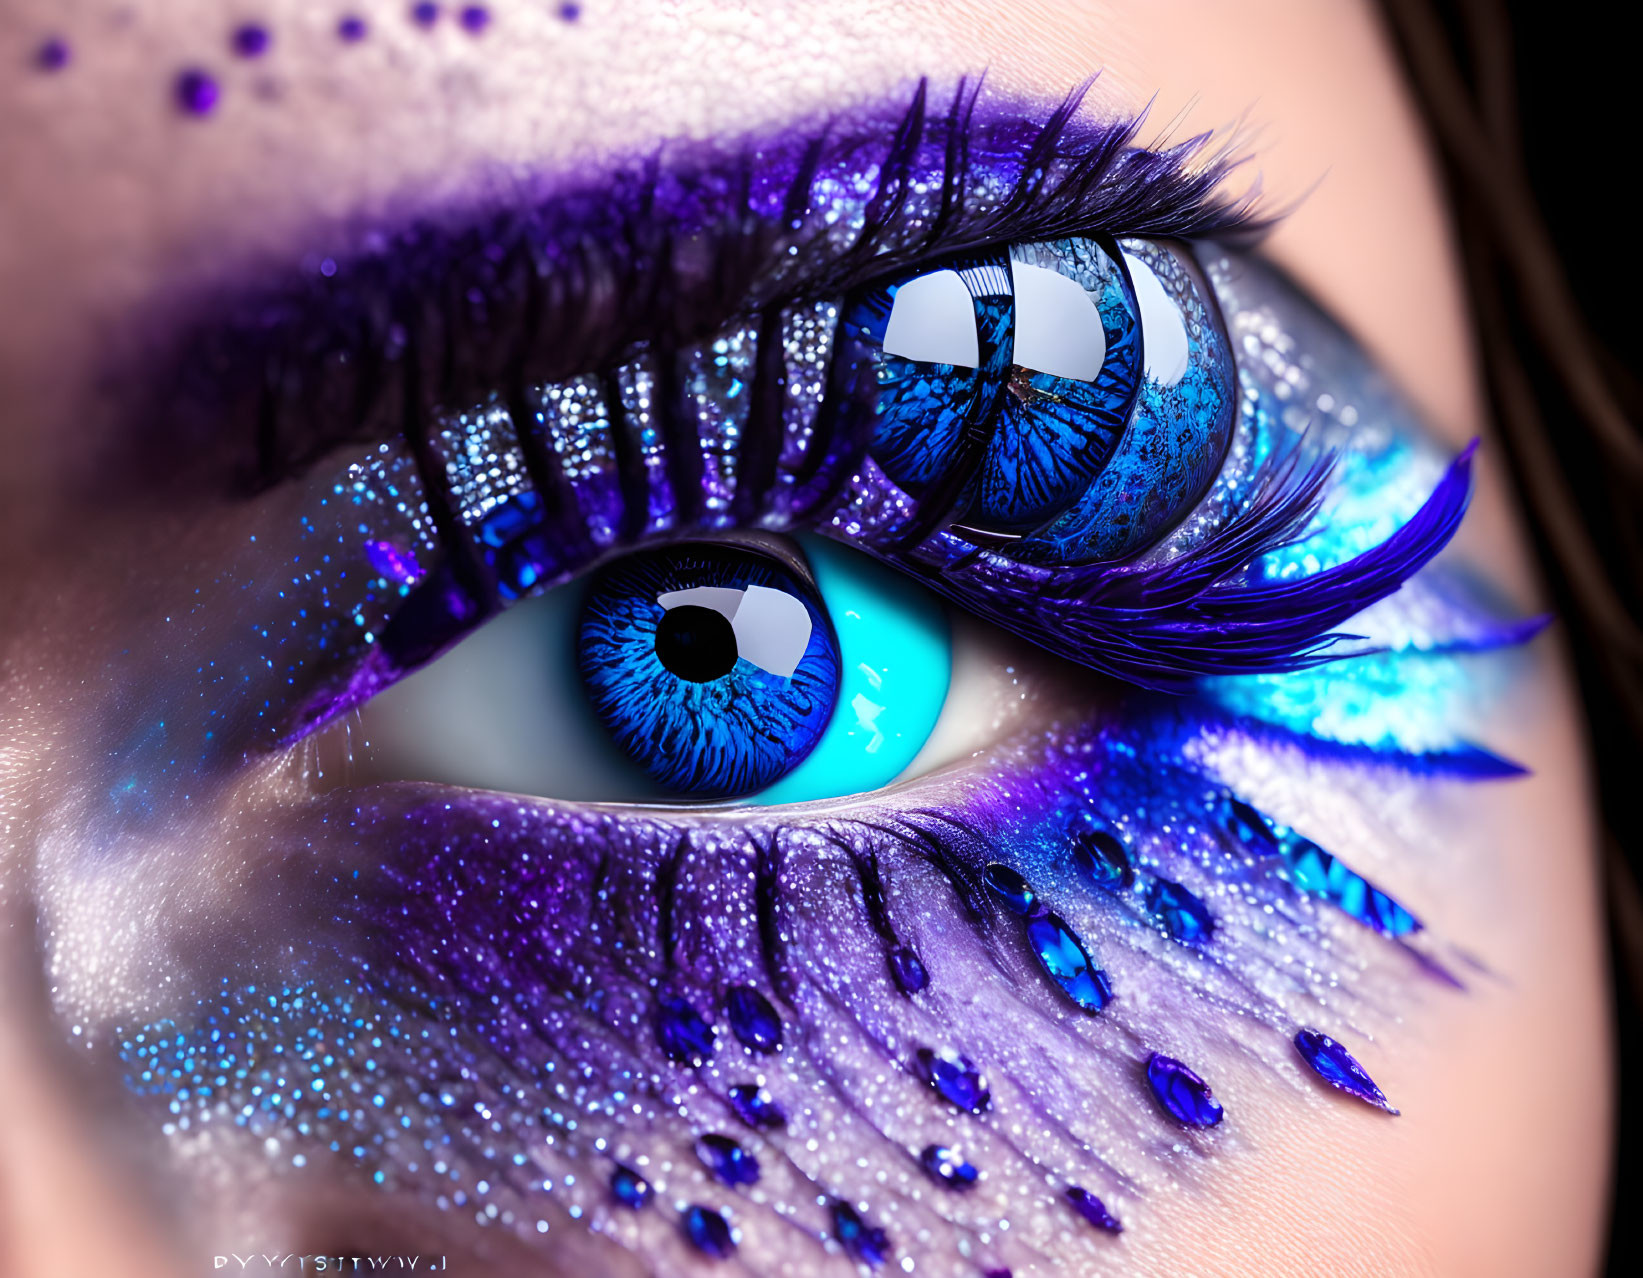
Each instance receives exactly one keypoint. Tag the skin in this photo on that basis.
(116, 207)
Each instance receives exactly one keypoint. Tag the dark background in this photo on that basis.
(1558, 84)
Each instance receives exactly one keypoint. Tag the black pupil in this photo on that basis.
(695, 643)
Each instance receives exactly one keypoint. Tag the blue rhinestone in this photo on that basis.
(727, 1160)
(1093, 1209)
(753, 1020)
(908, 969)
(1184, 1096)
(1064, 958)
(1103, 860)
(756, 1107)
(1249, 827)
(631, 1189)
(948, 1168)
(867, 1244)
(1337, 1067)
(709, 1232)
(956, 1078)
(1016, 893)
(682, 1032)
(1179, 912)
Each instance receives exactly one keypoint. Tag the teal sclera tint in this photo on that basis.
(895, 666)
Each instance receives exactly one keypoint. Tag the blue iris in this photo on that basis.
(713, 666)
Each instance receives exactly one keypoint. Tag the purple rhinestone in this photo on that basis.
(866, 1244)
(1183, 1095)
(752, 1019)
(196, 92)
(52, 55)
(1093, 1209)
(755, 1106)
(1249, 827)
(1016, 893)
(631, 1189)
(709, 1232)
(1339, 1068)
(948, 1168)
(908, 970)
(351, 28)
(570, 12)
(474, 18)
(727, 1160)
(251, 40)
(956, 1078)
(683, 1032)
(425, 13)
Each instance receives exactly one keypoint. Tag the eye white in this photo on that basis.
(1163, 331)
(1057, 327)
(772, 627)
(933, 320)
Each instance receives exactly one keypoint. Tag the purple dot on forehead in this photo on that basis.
(196, 91)
(251, 40)
(475, 18)
(425, 14)
(351, 28)
(52, 55)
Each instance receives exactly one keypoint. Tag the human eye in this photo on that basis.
(778, 662)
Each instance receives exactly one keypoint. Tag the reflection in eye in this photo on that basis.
(714, 669)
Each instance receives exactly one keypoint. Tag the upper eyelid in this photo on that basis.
(663, 252)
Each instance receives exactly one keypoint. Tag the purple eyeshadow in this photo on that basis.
(52, 55)
(196, 92)
(351, 29)
(475, 18)
(251, 40)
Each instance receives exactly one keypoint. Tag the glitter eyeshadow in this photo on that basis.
(196, 92)
(1339, 1068)
(52, 55)
(351, 28)
(474, 18)
(1092, 1209)
(709, 1232)
(251, 40)
(1181, 1093)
